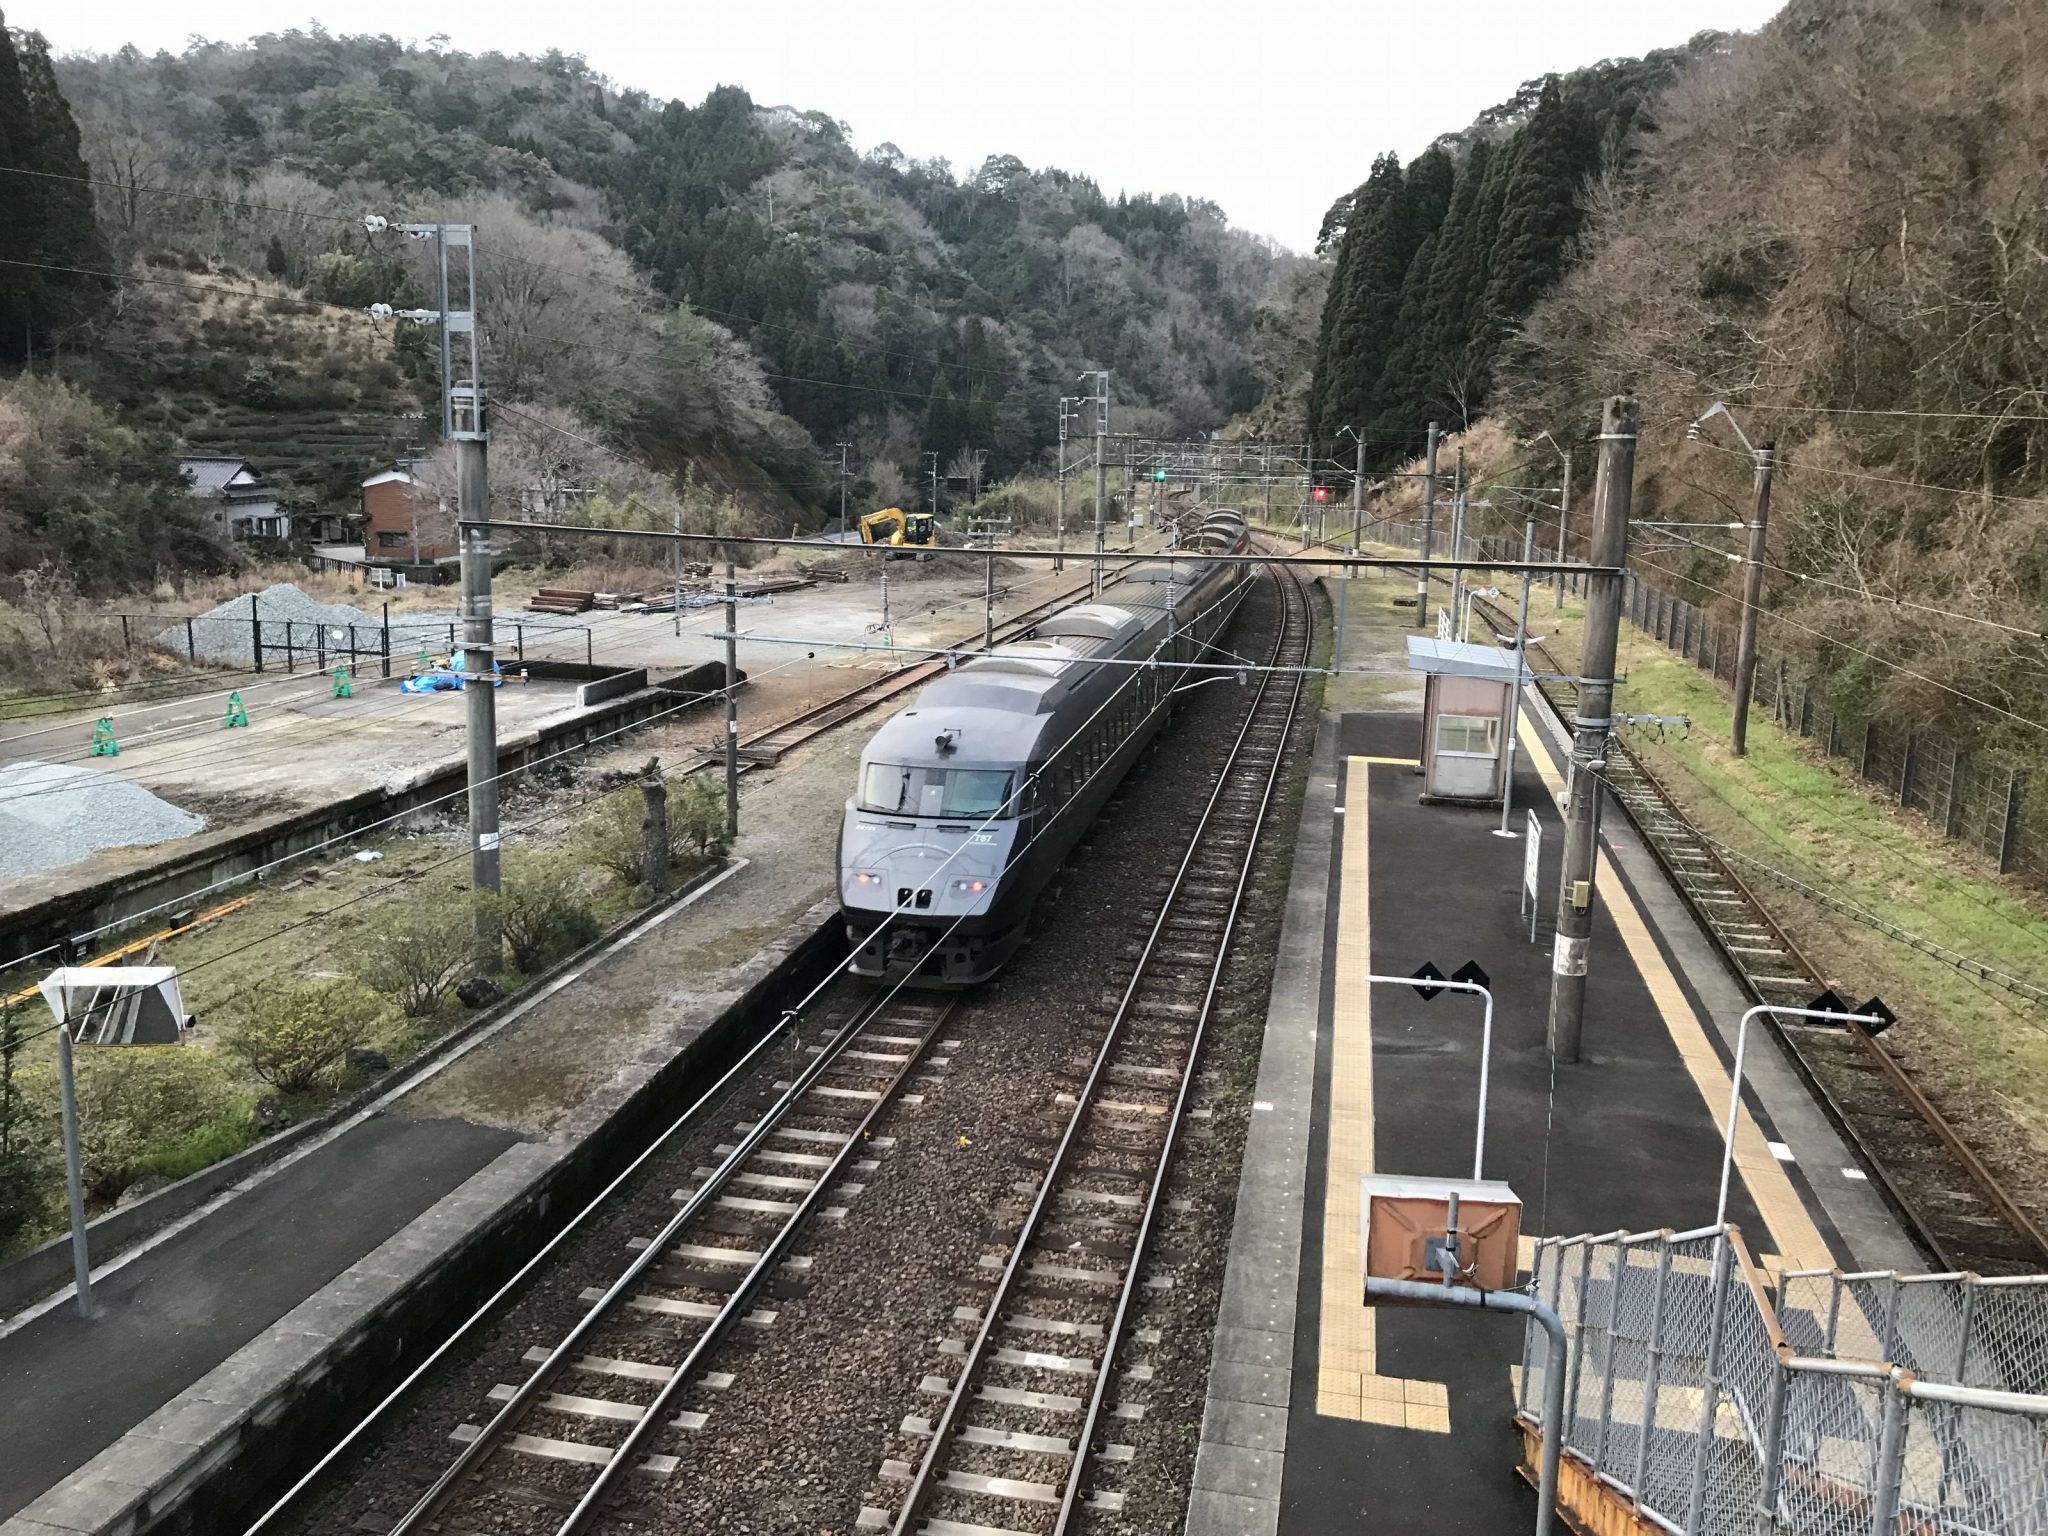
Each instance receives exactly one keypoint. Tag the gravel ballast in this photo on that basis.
(794, 1441)
(54, 814)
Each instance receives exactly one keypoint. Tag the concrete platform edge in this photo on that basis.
(29, 1278)
(1236, 1488)
(218, 1453)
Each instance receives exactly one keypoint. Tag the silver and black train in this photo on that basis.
(970, 799)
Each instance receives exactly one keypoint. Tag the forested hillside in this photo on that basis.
(1435, 264)
(1839, 226)
(886, 297)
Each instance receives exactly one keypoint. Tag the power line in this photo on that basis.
(1856, 410)
(196, 197)
(1899, 667)
(1868, 598)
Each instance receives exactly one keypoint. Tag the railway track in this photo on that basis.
(1022, 1437)
(561, 1450)
(1927, 1172)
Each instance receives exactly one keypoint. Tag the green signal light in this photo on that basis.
(1158, 474)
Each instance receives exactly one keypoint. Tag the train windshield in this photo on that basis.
(896, 790)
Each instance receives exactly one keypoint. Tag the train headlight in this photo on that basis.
(971, 887)
(866, 877)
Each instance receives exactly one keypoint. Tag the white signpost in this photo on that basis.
(1532, 860)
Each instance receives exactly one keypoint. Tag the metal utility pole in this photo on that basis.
(1612, 489)
(676, 568)
(74, 1162)
(1507, 782)
(1428, 530)
(1752, 595)
(1458, 539)
(1101, 377)
(842, 447)
(1357, 504)
(463, 412)
(1266, 474)
(935, 482)
(1564, 513)
(732, 705)
(988, 605)
(1059, 562)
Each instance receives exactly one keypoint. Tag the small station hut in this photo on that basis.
(1467, 691)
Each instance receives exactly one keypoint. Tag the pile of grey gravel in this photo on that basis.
(226, 636)
(54, 814)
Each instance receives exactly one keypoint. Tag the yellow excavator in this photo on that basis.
(897, 528)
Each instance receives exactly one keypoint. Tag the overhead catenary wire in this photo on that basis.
(832, 975)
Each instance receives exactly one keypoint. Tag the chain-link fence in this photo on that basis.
(1982, 804)
(1708, 1402)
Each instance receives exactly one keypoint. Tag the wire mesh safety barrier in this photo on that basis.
(1707, 1401)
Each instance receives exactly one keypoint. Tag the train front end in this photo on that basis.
(924, 847)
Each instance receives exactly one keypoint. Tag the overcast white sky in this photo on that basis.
(1271, 110)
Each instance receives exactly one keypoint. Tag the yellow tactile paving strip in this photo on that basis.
(1797, 1240)
(1348, 1382)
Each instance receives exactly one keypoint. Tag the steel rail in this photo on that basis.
(1871, 1049)
(924, 1483)
(506, 1420)
(1084, 1438)
(588, 1507)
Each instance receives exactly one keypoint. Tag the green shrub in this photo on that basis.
(414, 952)
(136, 1100)
(697, 816)
(202, 1148)
(27, 1134)
(292, 1037)
(543, 913)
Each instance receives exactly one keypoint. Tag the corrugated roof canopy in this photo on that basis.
(1461, 658)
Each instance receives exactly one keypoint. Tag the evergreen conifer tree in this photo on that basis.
(1540, 212)
(49, 220)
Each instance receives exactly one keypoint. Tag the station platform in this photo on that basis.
(1327, 1416)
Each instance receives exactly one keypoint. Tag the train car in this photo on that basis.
(970, 800)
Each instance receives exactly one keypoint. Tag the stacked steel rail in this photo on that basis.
(1065, 1294)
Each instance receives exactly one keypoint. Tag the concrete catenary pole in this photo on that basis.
(1752, 596)
(676, 567)
(479, 648)
(1428, 530)
(1612, 490)
(732, 705)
